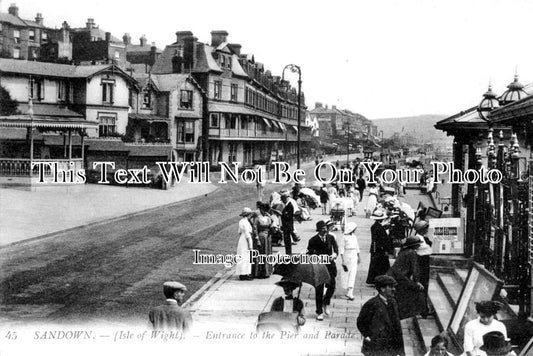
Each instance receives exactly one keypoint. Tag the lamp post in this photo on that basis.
(381, 133)
(347, 144)
(296, 69)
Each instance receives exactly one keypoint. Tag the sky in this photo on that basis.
(379, 58)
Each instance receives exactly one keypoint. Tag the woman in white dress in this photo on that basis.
(485, 323)
(349, 251)
(245, 245)
(372, 199)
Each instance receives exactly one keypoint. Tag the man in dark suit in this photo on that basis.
(171, 316)
(287, 221)
(324, 243)
(379, 321)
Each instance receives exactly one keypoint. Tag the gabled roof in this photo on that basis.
(14, 20)
(57, 70)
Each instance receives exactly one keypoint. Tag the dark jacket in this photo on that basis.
(381, 242)
(381, 323)
(411, 300)
(317, 247)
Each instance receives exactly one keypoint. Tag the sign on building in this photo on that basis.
(447, 236)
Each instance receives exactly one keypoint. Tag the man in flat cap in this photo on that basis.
(171, 316)
(379, 321)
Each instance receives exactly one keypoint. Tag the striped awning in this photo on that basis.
(295, 128)
(267, 121)
(46, 122)
(282, 126)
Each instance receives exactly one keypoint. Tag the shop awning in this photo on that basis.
(282, 126)
(267, 122)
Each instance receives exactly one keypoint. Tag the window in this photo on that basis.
(234, 89)
(31, 35)
(214, 120)
(218, 89)
(63, 90)
(244, 122)
(107, 125)
(44, 37)
(233, 122)
(223, 61)
(36, 87)
(186, 99)
(147, 99)
(16, 53)
(186, 131)
(108, 86)
(16, 36)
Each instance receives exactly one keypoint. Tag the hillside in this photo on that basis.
(421, 127)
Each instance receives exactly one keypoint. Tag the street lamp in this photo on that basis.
(381, 133)
(347, 144)
(296, 69)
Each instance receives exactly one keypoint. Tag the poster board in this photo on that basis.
(447, 235)
(480, 285)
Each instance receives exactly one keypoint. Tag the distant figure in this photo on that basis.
(380, 247)
(379, 322)
(245, 245)
(170, 316)
(361, 186)
(349, 251)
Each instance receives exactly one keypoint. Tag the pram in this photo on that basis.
(338, 215)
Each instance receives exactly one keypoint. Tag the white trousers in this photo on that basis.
(350, 260)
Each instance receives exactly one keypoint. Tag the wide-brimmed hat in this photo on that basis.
(411, 242)
(287, 282)
(421, 225)
(378, 214)
(389, 190)
(383, 281)
(246, 211)
(321, 224)
(494, 343)
(350, 227)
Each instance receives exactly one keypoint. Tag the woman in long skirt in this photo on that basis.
(372, 199)
(262, 223)
(245, 245)
(380, 247)
(349, 251)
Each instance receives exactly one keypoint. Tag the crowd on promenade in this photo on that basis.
(398, 233)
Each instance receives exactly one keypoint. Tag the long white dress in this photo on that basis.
(244, 267)
(372, 200)
(349, 248)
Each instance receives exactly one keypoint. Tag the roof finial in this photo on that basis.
(516, 73)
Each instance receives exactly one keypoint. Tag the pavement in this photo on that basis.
(228, 307)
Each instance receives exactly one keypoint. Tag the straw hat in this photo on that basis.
(349, 228)
(246, 211)
(378, 214)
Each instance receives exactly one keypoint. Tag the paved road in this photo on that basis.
(113, 272)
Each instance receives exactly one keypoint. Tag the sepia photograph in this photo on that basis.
(259, 178)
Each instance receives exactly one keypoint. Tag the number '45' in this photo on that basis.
(11, 335)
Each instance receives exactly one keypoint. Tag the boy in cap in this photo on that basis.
(171, 316)
(379, 321)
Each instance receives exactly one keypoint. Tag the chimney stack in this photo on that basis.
(189, 52)
(333, 107)
(39, 18)
(64, 37)
(13, 9)
(180, 35)
(153, 54)
(108, 36)
(143, 40)
(90, 24)
(126, 39)
(218, 37)
(236, 48)
(318, 105)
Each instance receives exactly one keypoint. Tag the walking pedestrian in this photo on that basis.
(349, 251)
(276, 236)
(171, 316)
(409, 291)
(245, 245)
(287, 221)
(424, 252)
(262, 223)
(361, 185)
(372, 202)
(324, 243)
(324, 199)
(485, 323)
(379, 322)
(380, 247)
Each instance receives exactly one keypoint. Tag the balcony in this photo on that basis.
(21, 167)
(245, 134)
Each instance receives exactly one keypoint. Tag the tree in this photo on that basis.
(8, 106)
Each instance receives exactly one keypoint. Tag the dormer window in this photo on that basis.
(223, 61)
(147, 99)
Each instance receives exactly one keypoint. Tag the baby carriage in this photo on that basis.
(338, 215)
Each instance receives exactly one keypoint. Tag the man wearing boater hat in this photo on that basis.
(324, 243)
(171, 316)
(379, 321)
